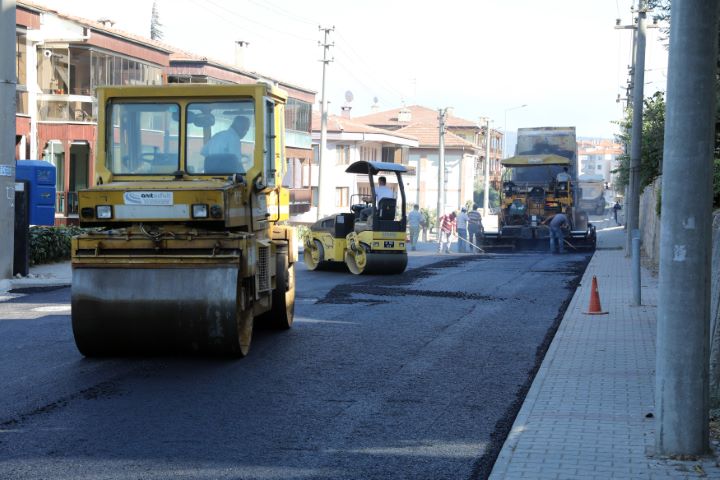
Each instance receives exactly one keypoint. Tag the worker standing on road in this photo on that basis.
(475, 228)
(414, 220)
(462, 230)
(557, 222)
(616, 208)
(446, 230)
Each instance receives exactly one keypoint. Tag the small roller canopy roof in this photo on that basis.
(375, 167)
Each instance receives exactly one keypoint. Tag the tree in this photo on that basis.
(155, 25)
(652, 144)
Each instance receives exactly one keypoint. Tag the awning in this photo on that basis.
(532, 160)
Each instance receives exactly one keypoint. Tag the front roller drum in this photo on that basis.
(361, 262)
(314, 255)
(158, 310)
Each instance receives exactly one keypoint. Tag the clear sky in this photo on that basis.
(563, 58)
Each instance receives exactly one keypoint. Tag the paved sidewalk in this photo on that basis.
(586, 415)
(40, 276)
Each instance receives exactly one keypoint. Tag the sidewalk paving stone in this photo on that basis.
(591, 395)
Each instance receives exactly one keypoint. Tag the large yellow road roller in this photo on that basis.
(371, 237)
(190, 249)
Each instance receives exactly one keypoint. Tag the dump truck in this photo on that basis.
(538, 182)
(186, 247)
(592, 193)
(371, 238)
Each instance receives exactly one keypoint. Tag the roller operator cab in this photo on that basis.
(189, 249)
(371, 237)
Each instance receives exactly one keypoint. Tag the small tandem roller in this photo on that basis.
(371, 238)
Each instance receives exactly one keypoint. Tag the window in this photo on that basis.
(341, 196)
(80, 68)
(388, 154)
(315, 195)
(297, 115)
(368, 154)
(54, 153)
(133, 147)
(316, 155)
(342, 154)
(269, 150)
(53, 69)
(220, 138)
(21, 73)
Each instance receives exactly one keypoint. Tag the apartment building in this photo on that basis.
(599, 156)
(349, 141)
(60, 61)
(465, 150)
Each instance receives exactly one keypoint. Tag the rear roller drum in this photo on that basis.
(280, 316)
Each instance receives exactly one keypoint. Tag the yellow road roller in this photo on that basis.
(370, 239)
(189, 249)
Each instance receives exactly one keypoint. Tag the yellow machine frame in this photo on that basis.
(216, 272)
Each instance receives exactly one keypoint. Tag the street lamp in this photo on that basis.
(505, 155)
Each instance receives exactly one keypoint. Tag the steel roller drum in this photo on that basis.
(376, 263)
(155, 310)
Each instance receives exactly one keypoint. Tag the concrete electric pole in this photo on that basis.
(7, 136)
(442, 113)
(633, 209)
(323, 169)
(683, 319)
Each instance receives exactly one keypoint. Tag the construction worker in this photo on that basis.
(445, 232)
(414, 220)
(475, 227)
(557, 240)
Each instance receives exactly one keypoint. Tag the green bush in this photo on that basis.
(51, 244)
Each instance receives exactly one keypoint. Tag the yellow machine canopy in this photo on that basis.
(531, 160)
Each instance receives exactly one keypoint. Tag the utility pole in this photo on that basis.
(7, 136)
(683, 318)
(322, 170)
(486, 186)
(442, 113)
(633, 220)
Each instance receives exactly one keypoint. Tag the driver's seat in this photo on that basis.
(386, 208)
(223, 163)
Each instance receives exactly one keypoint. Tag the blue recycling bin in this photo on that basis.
(40, 178)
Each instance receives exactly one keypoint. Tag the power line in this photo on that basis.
(370, 69)
(283, 12)
(264, 25)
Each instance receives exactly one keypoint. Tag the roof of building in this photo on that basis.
(416, 114)
(347, 125)
(427, 135)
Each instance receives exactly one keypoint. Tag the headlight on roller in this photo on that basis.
(199, 210)
(103, 212)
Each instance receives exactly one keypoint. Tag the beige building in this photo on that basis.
(464, 152)
(349, 141)
(599, 156)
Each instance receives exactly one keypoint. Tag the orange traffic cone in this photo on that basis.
(595, 308)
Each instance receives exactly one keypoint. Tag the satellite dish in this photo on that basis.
(349, 96)
(375, 99)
